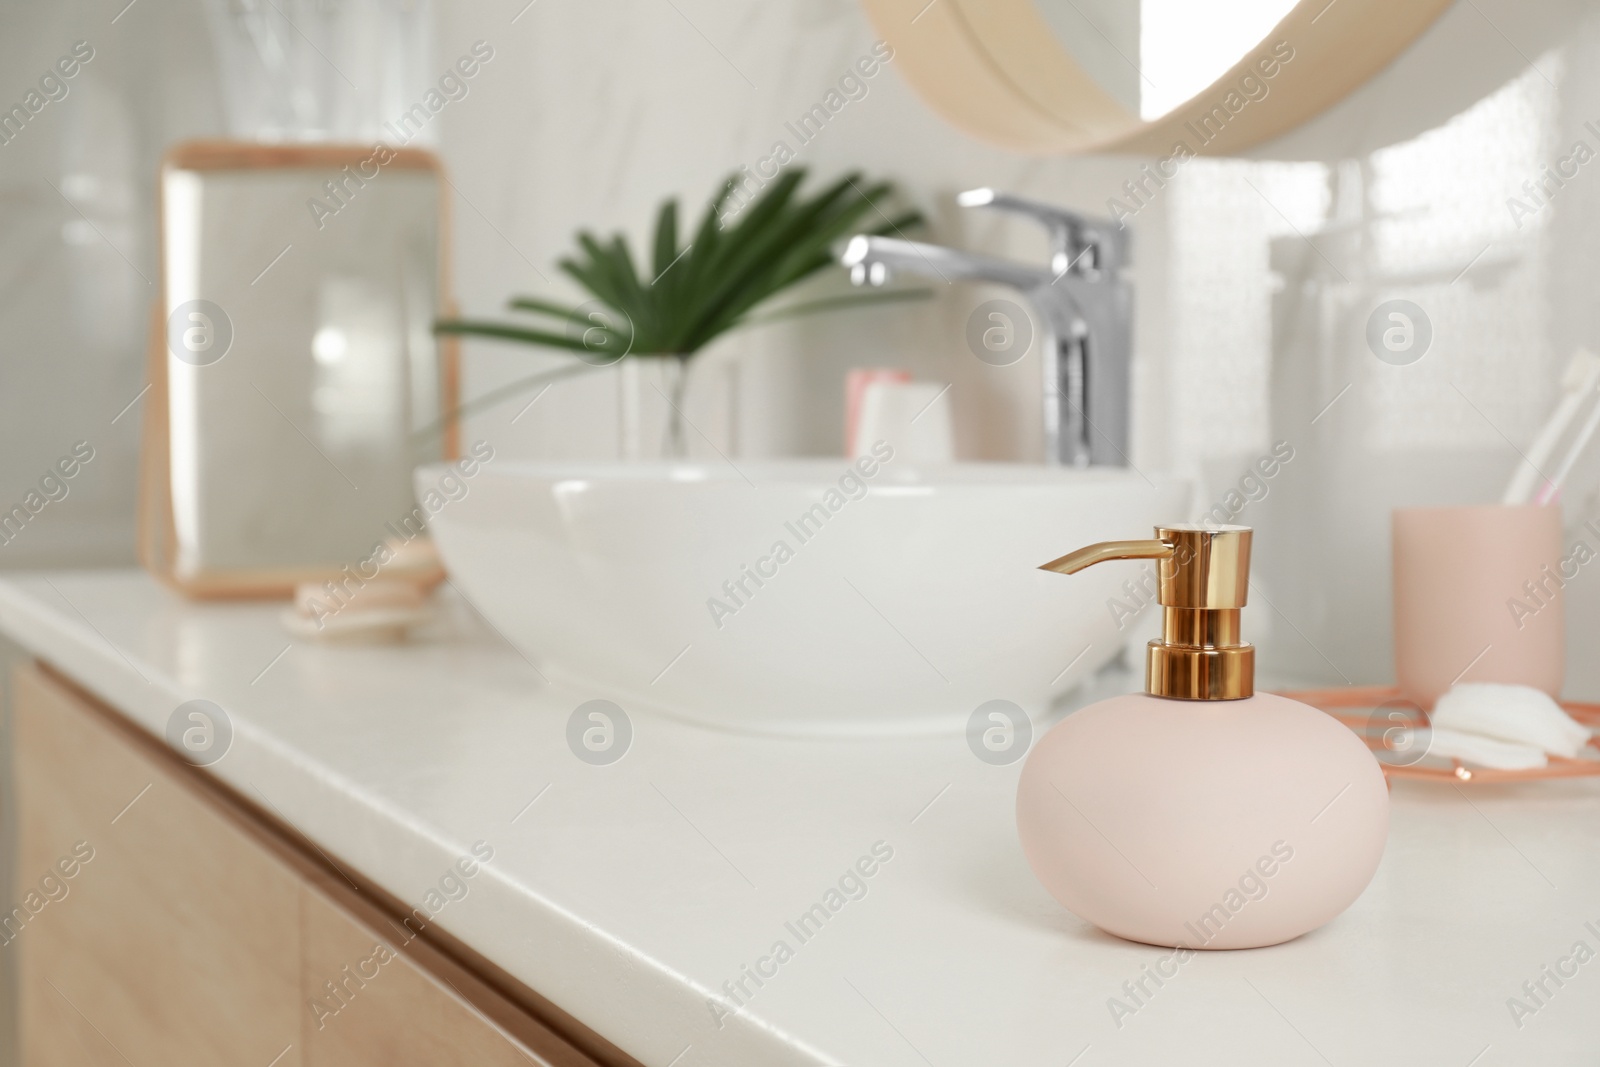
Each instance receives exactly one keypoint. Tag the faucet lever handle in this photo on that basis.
(1078, 243)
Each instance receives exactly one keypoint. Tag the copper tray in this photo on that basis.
(1372, 697)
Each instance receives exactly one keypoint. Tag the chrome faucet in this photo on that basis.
(1081, 299)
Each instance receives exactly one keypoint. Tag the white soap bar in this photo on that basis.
(1515, 713)
(1484, 751)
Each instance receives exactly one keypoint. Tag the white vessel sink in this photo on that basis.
(911, 602)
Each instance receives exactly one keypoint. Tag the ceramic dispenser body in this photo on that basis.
(1212, 816)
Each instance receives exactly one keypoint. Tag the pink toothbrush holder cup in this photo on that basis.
(1477, 598)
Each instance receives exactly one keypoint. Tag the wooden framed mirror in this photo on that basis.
(1156, 77)
(292, 362)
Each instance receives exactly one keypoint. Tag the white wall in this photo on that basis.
(77, 256)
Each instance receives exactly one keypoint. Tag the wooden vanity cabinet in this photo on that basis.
(162, 920)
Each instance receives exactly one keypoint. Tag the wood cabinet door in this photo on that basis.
(161, 922)
(148, 928)
(368, 1005)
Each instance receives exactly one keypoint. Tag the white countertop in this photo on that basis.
(629, 893)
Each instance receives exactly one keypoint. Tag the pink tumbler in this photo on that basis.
(1477, 598)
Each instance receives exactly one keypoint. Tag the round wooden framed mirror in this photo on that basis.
(1051, 77)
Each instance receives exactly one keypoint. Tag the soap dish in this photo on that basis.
(378, 610)
(1357, 707)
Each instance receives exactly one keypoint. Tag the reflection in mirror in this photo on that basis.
(1153, 55)
(1137, 77)
(299, 361)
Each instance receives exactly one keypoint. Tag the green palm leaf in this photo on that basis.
(740, 258)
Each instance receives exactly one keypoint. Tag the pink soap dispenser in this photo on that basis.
(1200, 814)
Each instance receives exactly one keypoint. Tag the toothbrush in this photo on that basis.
(1578, 382)
(1552, 489)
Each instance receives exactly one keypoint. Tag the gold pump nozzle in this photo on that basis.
(1204, 580)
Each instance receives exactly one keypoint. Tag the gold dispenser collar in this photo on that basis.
(1205, 577)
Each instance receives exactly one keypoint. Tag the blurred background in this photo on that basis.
(1253, 276)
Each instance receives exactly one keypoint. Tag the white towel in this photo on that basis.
(1484, 751)
(1514, 713)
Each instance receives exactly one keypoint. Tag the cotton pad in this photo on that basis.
(1515, 713)
(1484, 751)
